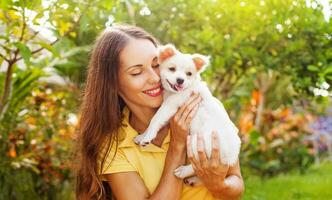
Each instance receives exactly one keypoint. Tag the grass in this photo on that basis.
(316, 183)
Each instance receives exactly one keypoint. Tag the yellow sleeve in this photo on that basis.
(117, 163)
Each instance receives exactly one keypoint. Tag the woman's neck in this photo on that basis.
(140, 117)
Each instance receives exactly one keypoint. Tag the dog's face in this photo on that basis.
(178, 70)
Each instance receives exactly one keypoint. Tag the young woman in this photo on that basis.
(122, 94)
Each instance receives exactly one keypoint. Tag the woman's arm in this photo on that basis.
(221, 180)
(129, 185)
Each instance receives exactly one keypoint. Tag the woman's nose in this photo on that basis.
(154, 76)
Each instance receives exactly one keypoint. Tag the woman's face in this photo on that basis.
(139, 81)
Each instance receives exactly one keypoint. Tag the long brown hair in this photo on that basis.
(101, 108)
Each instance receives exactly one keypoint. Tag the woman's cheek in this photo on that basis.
(138, 82)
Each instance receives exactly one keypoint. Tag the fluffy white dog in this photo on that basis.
(180, 76)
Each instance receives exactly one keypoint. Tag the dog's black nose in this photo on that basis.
(179, 81)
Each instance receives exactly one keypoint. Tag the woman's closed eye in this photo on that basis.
(136, 72)
(139, 70)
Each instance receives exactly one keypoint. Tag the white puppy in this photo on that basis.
(180, 76)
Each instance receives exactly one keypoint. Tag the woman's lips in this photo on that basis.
(154, 92)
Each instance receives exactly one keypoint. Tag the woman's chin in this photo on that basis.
(156, 102)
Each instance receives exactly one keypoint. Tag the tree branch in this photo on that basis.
(8, 81)
(6, 48)
(6, 90)
(21, 36)
(38, 50)
(66, 34)
(11, 62)
(2, 56)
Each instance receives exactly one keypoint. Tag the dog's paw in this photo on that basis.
(141, 140)
(192, 181)
(181, 172)
(145, 141)
(138, 139)
(184, 171)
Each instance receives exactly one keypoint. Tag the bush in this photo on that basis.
(37, 139)
(280, 148)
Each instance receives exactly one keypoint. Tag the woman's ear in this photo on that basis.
(166, 52)
(200, 62)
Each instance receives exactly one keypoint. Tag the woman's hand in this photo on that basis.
(211, 171)
(180, 122)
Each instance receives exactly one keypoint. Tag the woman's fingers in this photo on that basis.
(191, 115)
(183, 107)
(204, 162)
(215, 155)
(189, 108)
(190, 154)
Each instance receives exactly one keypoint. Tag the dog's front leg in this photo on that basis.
(160, 119)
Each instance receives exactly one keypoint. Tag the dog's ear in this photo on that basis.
(166, 52)
(200, 62)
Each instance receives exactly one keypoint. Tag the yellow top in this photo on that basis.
(147, 161)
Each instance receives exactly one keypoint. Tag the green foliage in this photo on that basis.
(279, 49)
(36, 144)
(11, 190)
(247, 38)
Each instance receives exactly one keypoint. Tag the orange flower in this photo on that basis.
(31, 120)
(12, 152)
(255, 96)
(245, 123)
(285, 113)
(62, 132)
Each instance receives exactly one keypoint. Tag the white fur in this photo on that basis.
(211, 115)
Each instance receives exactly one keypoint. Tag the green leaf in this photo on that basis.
(84, 23)
(23, 85)
(328, 70)
(77, 50)
(254, 137)
(24, 51)
(5, 4)
(32, 4)
(313, 68)
(4, 37)
(49, 47)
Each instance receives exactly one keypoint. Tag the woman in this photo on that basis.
(122, 93)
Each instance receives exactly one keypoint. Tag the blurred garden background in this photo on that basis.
(271, 66)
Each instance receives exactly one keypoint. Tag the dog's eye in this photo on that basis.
(189, 73)
(172, 69)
